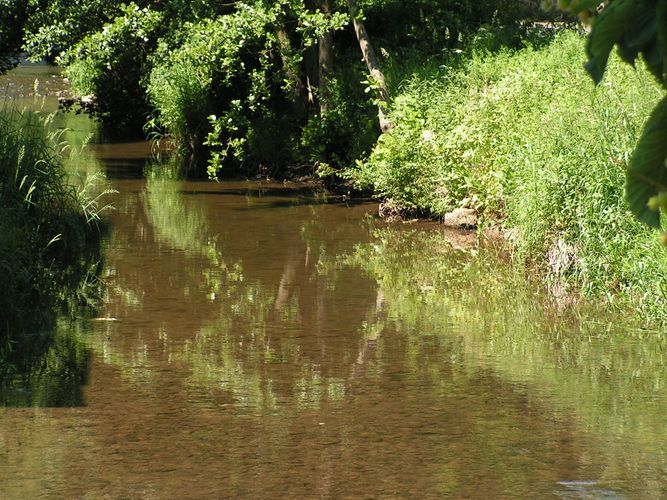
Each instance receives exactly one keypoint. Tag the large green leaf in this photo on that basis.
(647, 174)
(609, 28)
(639, 36)
(661, 21)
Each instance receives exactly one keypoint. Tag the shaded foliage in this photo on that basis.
(48, 243)
(111, 63)
(12, 18)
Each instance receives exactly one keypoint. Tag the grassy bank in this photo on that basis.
(524, 138)
(48, 240)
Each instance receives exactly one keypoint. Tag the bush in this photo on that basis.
(524, 138)
(428, 26)
(349, 127)
(110, 64)
(209, 88)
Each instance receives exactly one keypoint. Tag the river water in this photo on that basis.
(265, 340)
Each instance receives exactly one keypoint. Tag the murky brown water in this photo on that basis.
(259, 340)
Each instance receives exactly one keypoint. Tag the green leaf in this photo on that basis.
(661, 21)
(639, 36)
(647, 174)
(608, 28)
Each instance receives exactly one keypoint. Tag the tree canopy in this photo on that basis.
(253, 80)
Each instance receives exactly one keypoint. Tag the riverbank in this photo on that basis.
(524, 140)
(49, 241)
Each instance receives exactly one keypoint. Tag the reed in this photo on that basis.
(48, 233)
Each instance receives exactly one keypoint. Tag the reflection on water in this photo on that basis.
(45, 370)
(259, 340)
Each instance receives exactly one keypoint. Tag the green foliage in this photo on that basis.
(429, 26)
(518, 137)
(348, 128)
(647, 176)
(54, 26)
(12, 18)
(202, 89)
(637, 28)
(110, 64)
(237, 83)
(229, 79)
(45, 235)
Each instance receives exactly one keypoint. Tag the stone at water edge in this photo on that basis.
(461, 218)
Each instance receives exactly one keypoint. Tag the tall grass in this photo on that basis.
(47, 239)
(525, 138)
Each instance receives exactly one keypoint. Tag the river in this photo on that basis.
(261, 339)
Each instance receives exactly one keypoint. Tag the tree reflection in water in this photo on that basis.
(47, 369)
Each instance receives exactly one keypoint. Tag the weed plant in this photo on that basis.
(48, 241)
(524, 138)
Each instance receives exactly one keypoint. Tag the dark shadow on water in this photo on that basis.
(301, 203)
(124, 169)
(259, 192)
(45, 370)
(289, 197)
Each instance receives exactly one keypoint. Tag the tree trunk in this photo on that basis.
(325, 53)
(373, 66)
(297, 91)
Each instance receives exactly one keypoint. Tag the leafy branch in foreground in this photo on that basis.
(637, 28)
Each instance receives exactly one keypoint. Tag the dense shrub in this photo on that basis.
(229, 85)
(428, 27)
(111, 63)
(237, 82)
(12, 17)
(348, 129)
(523, 137)
(54, 26)
(206, 88)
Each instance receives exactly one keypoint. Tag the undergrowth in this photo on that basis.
(522, 137)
